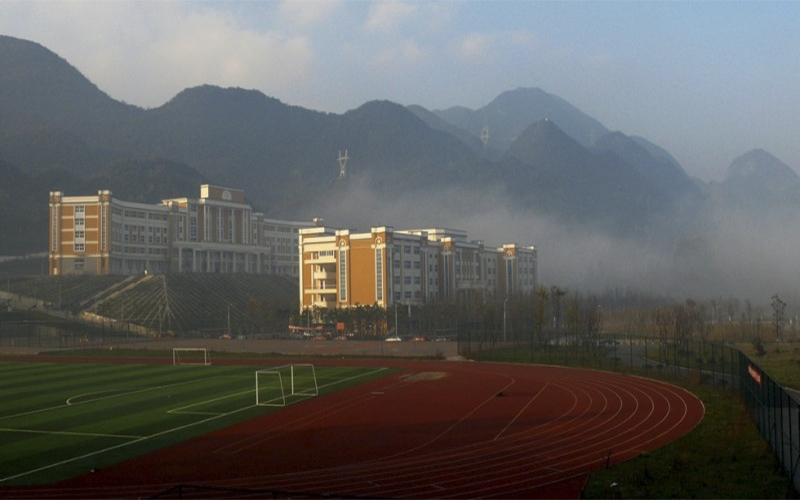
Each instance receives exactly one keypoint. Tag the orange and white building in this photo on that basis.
(341, 268)
(215, 233)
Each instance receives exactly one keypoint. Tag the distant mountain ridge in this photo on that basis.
(510, 113)
(526, 152)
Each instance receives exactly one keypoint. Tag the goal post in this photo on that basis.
(304, 380)
(269, 388)
(275, 386)
(196, 356)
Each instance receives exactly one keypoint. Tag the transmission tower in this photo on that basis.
(343, 164)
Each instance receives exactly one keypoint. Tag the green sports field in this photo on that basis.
(58, 420)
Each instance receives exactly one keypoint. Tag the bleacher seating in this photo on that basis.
(173, 304)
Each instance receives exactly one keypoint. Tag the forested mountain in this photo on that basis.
(522, 165)
(555, 173)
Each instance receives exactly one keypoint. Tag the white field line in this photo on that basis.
(162, 433)
(360, 375)
(68, 402)
(68, 433)
(181, 411)
(121, 445)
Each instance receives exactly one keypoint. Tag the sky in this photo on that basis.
(707, 80)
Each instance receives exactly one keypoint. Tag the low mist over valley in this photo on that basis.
(607, 210)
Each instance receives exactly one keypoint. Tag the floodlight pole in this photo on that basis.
(504, 320)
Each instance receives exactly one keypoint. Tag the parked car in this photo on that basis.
(394, 339)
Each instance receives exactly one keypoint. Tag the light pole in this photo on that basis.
(122, 322)
(504, 320)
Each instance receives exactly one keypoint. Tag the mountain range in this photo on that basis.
(527, 167)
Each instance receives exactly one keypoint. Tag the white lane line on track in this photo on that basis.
(438, 464)
(252, 441)
(519, 470)
(517, 475)
(516, 417)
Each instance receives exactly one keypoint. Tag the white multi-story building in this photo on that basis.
(217, 232)
(340, 268)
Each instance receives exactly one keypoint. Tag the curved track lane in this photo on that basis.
(436, 429)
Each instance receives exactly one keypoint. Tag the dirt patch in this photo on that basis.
(413, 377)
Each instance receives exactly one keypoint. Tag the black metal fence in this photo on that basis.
(776, 411)
(774, 408)
(65, 334)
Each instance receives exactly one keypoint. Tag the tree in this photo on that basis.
(540, 312)
(778, 316)
(555, 299)
(593, 318)
(573, 316)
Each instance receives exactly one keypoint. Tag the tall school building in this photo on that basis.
(383, 267)
(215, 233)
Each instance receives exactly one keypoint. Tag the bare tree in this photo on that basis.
(778, 316)
(540, 312)
(573, 316)
(593, 318)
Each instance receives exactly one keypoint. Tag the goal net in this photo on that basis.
(197, 356)
(283, 385)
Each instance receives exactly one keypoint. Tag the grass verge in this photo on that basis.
(724, 457)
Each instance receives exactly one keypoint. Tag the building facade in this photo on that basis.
(216, 233)
(341, 269)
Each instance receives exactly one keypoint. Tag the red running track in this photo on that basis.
(436, 429)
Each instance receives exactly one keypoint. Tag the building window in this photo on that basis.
(54, 236)
(103, 222)
(379, 274)
(193, 228)
(342, 276)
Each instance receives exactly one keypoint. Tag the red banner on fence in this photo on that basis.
(754, 373)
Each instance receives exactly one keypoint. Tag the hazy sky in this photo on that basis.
(707, 80)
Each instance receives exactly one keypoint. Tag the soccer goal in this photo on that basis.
(279, 385)
(190, 356)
